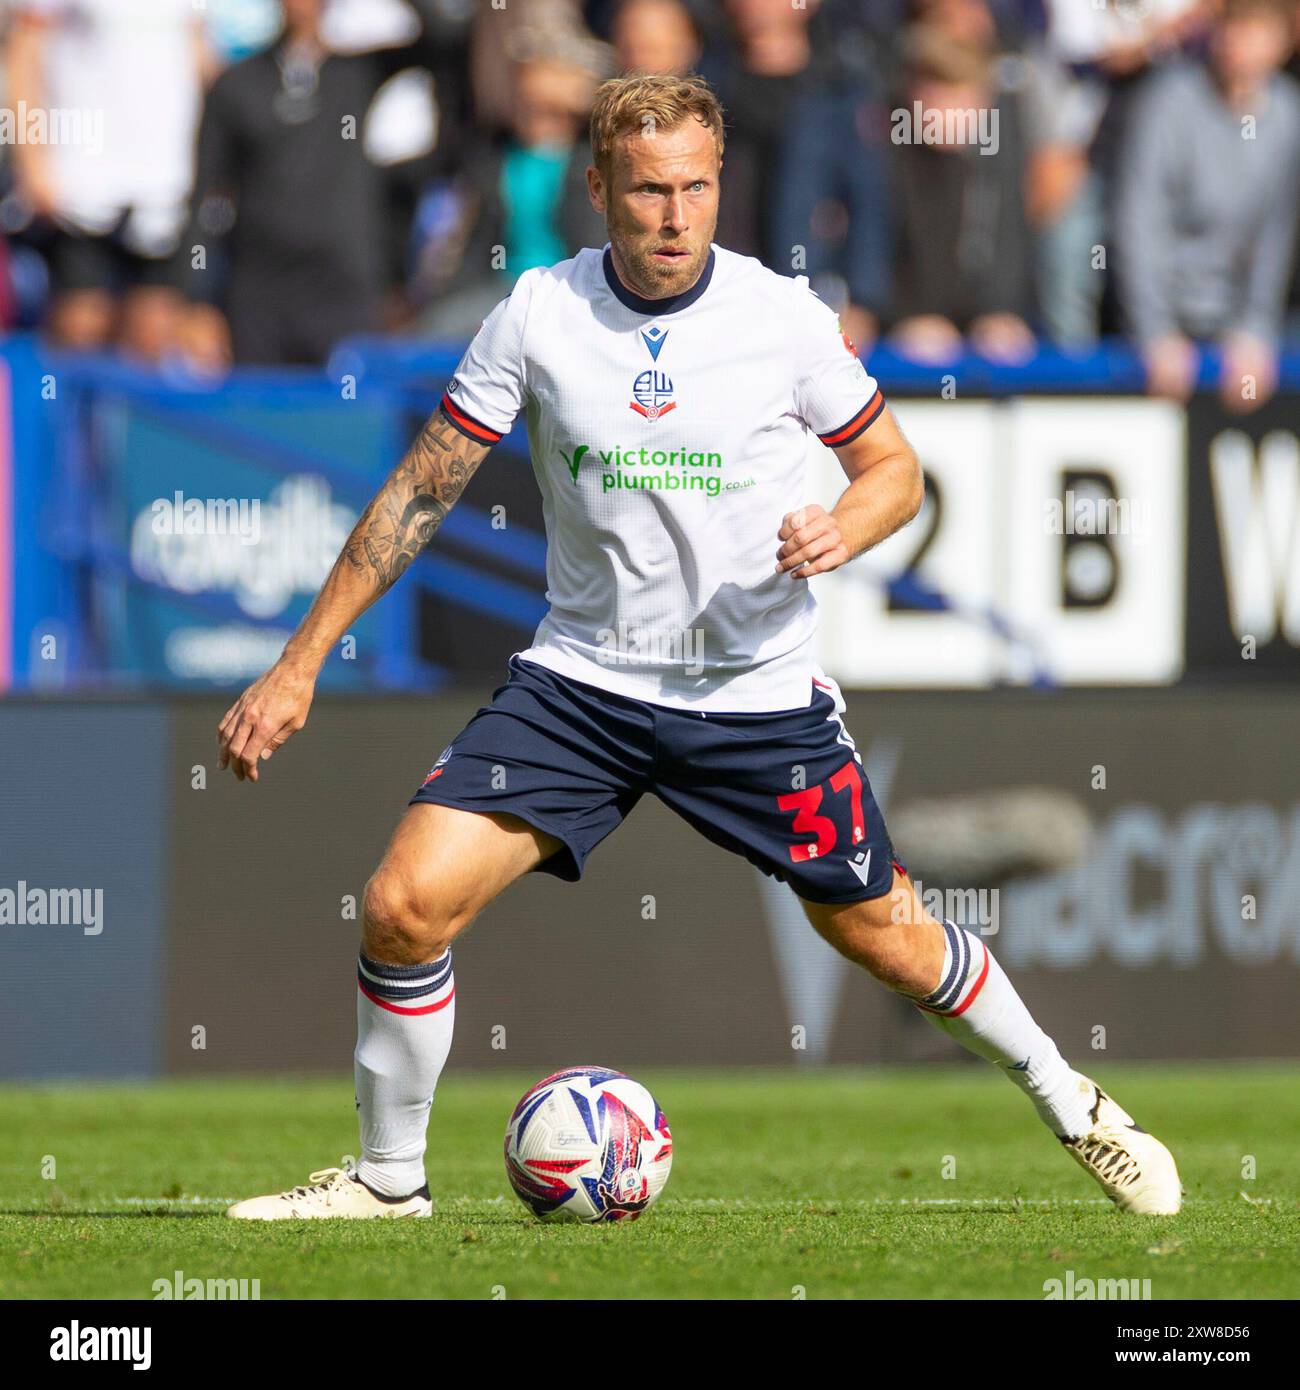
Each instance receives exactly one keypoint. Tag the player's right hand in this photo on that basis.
(264, 718)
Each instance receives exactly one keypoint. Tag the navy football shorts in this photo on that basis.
(786, 789)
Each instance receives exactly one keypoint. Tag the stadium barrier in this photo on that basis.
(1074, 533)
(197, 926)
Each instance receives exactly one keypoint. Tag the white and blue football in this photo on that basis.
(588, 1144)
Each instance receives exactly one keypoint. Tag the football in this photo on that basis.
(588, 1144)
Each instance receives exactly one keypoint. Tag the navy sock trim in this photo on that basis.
(403, 982)
(951, 985)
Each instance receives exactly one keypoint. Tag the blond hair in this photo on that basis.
(636, 105)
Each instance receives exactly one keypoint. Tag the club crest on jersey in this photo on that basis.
(436, 769)
(652, 395)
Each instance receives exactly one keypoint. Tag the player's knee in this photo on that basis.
(404, 923)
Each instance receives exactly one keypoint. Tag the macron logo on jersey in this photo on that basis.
(654, 338)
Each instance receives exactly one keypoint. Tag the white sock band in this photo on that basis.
(976, 1005)
(405, 1018)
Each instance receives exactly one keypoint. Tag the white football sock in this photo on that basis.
(405, 1016)
(976, 1005)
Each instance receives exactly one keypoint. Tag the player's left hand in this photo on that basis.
(812, 543)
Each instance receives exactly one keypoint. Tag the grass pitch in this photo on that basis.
(785, 1184)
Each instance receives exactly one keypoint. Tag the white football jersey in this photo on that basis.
(670, 439)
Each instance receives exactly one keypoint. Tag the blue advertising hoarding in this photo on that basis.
(173, 534)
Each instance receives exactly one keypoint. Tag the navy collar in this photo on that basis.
(655, 307)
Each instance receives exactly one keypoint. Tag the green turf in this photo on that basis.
(827, 1183)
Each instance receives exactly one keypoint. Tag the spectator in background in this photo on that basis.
(514, 33)
(290, 213)
(969, 22)
(963, 260)
(115, 200)
(654, 36)
(1013, 22)
(1081, 74)
(239, 28)
(1209, 185)
(527, 203)
(1292, 326)
(831, 205)
(763, 67)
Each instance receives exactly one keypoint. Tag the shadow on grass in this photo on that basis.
(79, 1215)
(219, 1214)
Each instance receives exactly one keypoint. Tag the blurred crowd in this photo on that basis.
(249, 181)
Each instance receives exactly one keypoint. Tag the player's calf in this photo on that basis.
(892, 937)
(954, 979)
(950, 974)
(442, 866)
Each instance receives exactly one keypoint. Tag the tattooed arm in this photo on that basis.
(399, 522)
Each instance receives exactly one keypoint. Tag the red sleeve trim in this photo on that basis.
(849, 431)
(466, 424)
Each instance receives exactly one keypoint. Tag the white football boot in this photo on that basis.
(333, 1192)
(1134, 1168)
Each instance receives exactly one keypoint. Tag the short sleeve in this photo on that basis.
(834, 394)
(487, 390)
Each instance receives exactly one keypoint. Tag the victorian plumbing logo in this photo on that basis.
(641, 469)
(655, 470)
